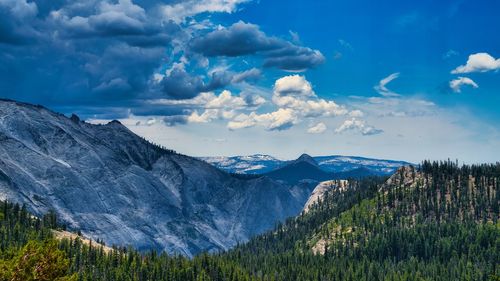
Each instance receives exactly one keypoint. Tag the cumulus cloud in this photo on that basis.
(296, 93)
(480, 62)
(295, 100)
(242, 39)
(210, 115)
(208, 107)
(278, 120)
(383, 90)
(179, 11)
(209, 100)
(121, 54)
(317, 129)
(456, 84)
(354, 124)
(177, 83)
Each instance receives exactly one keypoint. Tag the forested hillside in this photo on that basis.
(438, 222)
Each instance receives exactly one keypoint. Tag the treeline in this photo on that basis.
(435, 222)
(29, 251)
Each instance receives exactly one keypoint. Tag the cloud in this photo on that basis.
(179, 84)
(480, 62)
(174, 120)
(382, 89)
(317, 129)
(13, 18)
(105, 53)
(345, 44)
(124, 20)
(209, 100)
(242, 39)
(295, 100)
(253, 74)
(296, 93)
(178, 12)
(208, 107)
(278, 120)
(210, 115)
(354, 124)
(457, 84)
(450, 53)
(393, 106)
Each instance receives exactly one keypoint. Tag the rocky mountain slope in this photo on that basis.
(261, 164)
(115, 186)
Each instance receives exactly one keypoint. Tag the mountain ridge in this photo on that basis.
(262, 164)
(116, 186)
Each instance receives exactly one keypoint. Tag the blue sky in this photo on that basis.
(406, 80)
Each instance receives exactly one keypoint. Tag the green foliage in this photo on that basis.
(37, 260)
(438, 222)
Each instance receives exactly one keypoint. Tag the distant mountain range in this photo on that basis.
(262, 164)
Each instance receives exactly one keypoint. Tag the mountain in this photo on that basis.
(438, 222)
(261, 164)
(115, 186)
(303, 168)
(321, 190)
(252, 164)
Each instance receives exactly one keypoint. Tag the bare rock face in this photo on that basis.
(321, 189)
(113, 185)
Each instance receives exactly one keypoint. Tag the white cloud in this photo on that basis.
(480, 62)
(296, 93)
(356, 113)
(317, 129)
(210, 115)
(457, 84)
(382, 89)
(293, 85)
(208, 100)
(354, 124)
(295, 99)
(178, 12)
(278, 120)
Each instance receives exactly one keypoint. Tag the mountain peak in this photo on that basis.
(75, 118)
(306, 158)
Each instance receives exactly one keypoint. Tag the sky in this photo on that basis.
(406, 80)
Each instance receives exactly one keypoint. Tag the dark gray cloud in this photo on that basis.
(180, 84)
(110, 54)
(237, 40)
(294, 58)
(247, 39)
(13, 18)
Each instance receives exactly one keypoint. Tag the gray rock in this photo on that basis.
(113, 185)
